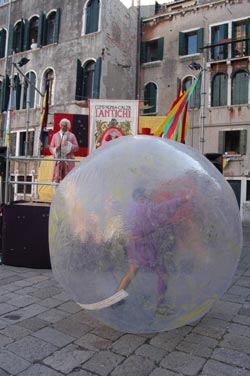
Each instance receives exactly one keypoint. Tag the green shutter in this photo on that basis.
(160, 48)
(22, 35)
(243, 142)
(5, 94)
(79, 81)
(215, 91)
(97, 78)
(224, 35)
(92, 16)
(10, 39)
(150, 93)
(221, 145)
(26, 45)
(18, 92)
(248, 36)
(200, 40)
(182, 44)
(44, 35)
(2, 42)
(143, 52)
(40, 30)
(57, 25)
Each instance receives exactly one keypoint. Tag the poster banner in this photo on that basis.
(109, 119)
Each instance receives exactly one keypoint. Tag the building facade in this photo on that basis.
(77, 49)
(215, 35)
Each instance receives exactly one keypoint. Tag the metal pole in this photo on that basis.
(202, 112)
(8, 131)
(27, 133)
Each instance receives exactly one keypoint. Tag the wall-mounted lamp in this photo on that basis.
(195, 66)
(23, 61)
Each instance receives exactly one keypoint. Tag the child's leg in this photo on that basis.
(128, 277)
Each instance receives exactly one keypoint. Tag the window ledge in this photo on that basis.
(152, 64)
(188, 57)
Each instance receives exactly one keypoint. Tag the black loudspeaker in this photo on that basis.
(25, 235)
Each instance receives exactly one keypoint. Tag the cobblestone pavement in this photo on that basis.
(43, 333)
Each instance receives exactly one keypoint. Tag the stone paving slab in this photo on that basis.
(44, 333)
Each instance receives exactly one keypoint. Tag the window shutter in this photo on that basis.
(79, 81)
(95, 15)
(57, 25)
(215, 91)
(22, 35)
(5, 94)
(223, 90)
(44, 35)
(182, 44)
(221, 146)
(26, 45)
(10, 39)
(150, 92)
(2, 42)
(224, 35)
(40, 30)
(97, 78)
(18, 92)
(143, 52)
(160, 48)
(200, 39)
(248, 36)
(243, 141)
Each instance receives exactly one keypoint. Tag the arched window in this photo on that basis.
(51, 23)
(49, 83)
(150, 96)
(195, 99)
(31, 87)
(2, 42)
(240, 83)
(18, 36)
(88, 78)
(33, 30)
(219, 90)
(92, 16)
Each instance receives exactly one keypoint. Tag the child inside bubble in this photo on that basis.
(151, 237)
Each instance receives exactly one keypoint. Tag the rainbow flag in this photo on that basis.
(175, 125)
(5, 139)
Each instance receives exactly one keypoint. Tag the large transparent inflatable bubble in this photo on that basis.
(145, 234)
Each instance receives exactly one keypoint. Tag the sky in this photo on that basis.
(143, 2)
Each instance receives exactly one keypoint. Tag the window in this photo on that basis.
(48, 28)
(17, 92)
(48, 81)
(190, 42)
(88, 79)
(2, 42)
(33, 30)
(18, 37)
(22, 143)
(240, 30)
(20, 187)
(152, 50)
(92, 16)
(219, 33)
(233, 142)
(219, 90)
(31, 87)
(195, 99)
(150, 96)
(240, 82)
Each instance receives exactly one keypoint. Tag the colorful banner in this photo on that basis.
(174, 126)
(110, 119)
